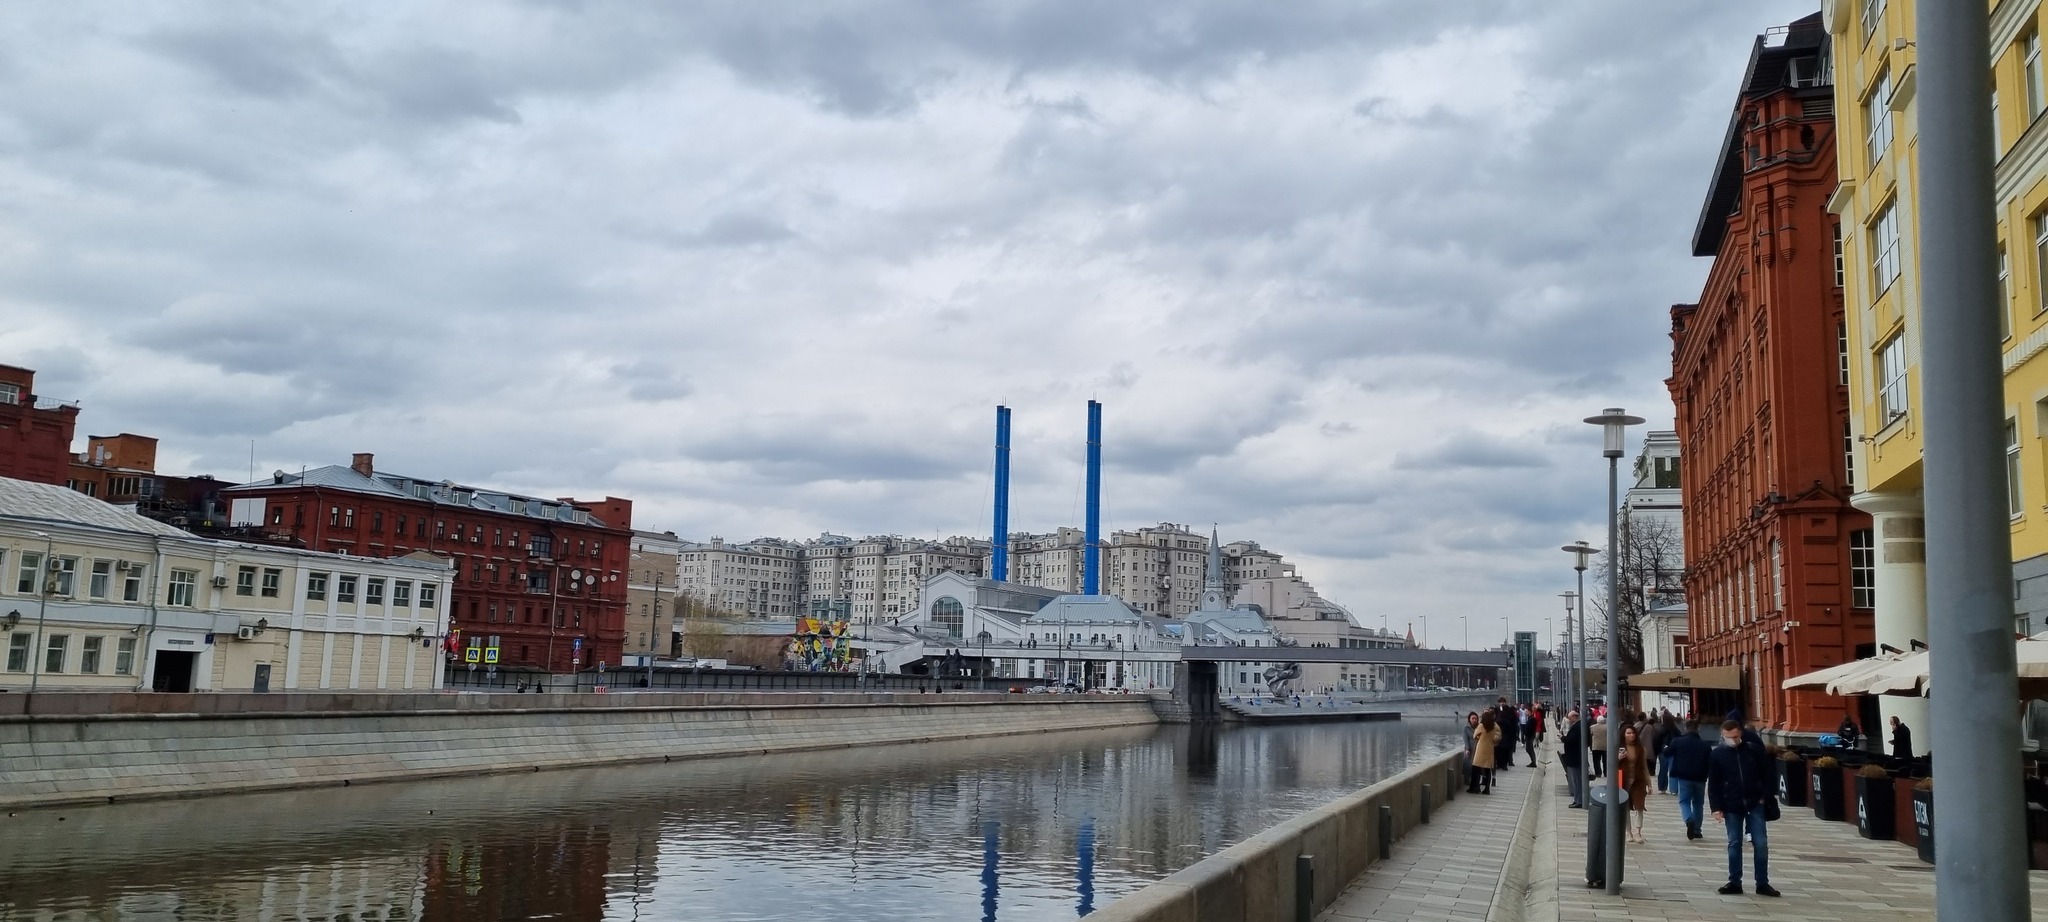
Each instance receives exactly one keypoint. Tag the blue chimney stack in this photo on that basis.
(999, 549)
(1091, 555)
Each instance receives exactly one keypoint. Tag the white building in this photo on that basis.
(98, 598)
(762, 578)
(1652, 524)
(653, 574)
(1094, 642)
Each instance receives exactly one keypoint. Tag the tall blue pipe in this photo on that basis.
(1091, 556)
(999, 554)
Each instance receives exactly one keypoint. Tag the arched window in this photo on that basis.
(947, 613)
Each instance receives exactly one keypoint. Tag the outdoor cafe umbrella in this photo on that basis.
(1909, 675)
(1825, 679)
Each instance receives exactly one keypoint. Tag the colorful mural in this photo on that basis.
(820, 645)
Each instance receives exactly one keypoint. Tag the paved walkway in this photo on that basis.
(1446, 871)
(1827, 872)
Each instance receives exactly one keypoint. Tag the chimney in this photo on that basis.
(999, 549)
(363, 463)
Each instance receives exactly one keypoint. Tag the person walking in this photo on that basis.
(1529, 725)
(1599, 732)
(1902, 740)
(1634, 773)
(1688, 756)
(1506, 722)
(1665, 737)
(1472, 752)
(1741, 789)
(1486, 749)
(1573, 758)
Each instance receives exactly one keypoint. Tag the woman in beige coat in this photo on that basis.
(1483, 742)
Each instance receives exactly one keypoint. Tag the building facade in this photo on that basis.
(99, 598)
(544, 580)
(35, 432)
(652, 575)
(1777, 576)
(762, 578)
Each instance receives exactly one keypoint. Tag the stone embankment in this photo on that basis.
(76, 748)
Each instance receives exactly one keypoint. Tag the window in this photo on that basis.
(10, 394)
(1891, 377)
(348, 517)
(131, 584)
(31, 569)
(377, 522)
(18, 649)
(1842, 351)
(427, 591)
(1841, 264)
(124, 656)
(345, 589)
(401, 593)
(1848, 456)
(102, 579)
(1877, 116)
(272, 578)
(245, 581)
(1873, 16)
(2004, 293)
(89, 655)
(398, 526)
(58, 651)
(543, 546)
(2013, 499)
(948, 613)
(373, 591)
(184, 584)
(334, 515)
(1777, 575)
(2030, 58)
(1862, 568)
(2041, 262)
(316, 587)
(1884, 247)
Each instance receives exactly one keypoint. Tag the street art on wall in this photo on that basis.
(820, 645)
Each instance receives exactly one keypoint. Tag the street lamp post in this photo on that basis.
(36, 652)
(1980, 874)
(1465, 624)
(1614, 423)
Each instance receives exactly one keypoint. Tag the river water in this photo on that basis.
(1050, 826)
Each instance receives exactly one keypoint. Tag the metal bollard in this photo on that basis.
(1425, 805)
(1304, 888)
(1386, 832)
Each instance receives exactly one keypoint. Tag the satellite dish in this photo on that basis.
(575, 574)
(590, 581)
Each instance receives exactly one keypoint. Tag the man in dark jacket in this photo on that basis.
(1741, 783)
(1510, 722)
(1573, 757)
(1690, 756)
(1902, 740)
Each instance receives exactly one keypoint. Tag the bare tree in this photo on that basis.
(702, 624)
(1650, 573)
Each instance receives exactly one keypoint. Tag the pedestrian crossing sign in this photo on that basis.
(472, 655)
(490, 654)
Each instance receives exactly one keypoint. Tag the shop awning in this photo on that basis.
(1715, 677)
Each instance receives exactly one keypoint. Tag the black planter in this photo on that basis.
(1792, 783)
(1824, 787)
(1875, 807)
(1923, 823)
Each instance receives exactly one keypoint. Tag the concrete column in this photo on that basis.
(1901, 615)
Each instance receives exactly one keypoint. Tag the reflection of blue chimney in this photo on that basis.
(1084, 870)
(1091, 555)
(999, 552)
(990, 880)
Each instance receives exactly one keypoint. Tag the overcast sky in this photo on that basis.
(1346, 275)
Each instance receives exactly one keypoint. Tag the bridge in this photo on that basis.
(1384, 656)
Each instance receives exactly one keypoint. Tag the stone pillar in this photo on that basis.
(1900, 531)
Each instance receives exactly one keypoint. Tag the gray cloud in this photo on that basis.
(1345, 274)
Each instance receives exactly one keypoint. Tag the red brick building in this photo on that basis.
(35, 434)
(545, 576)
(1777, 579)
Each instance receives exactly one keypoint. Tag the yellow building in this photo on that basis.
(1877, 137)
(97, 598)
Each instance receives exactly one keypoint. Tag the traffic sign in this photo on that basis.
(472, 654)
(491, 655)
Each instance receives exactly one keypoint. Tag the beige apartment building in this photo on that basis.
(652, 575)
(762, 578)
(93, 597)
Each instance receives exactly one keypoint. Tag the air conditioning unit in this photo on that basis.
(122, 566)
(220, 582)
(245, 632)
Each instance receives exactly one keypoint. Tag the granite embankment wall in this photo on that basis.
(1254, 880)
(87, 748)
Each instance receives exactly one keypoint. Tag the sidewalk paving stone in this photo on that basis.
(1446, 871)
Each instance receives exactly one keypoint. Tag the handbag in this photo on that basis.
(1771, 811)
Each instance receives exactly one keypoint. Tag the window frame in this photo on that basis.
(182, 590)
(1877, 117)
(1892, 399)
(20, 646)
(90, 649)
(1884, 248)
(245, 581)
(2015, 485)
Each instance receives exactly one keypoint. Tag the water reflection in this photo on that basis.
(1042, 827)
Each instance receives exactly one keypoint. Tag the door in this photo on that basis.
(262, 684)
(174, 670)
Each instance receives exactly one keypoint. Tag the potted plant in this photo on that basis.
(1875, 806)
(1791, 779)
(1824, 788)
(1923, 818)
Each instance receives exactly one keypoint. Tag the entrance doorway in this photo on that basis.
(174, 670)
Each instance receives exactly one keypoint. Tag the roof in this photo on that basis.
(42, 502)
(1087, 608)
(442, 492)
(1767, 72)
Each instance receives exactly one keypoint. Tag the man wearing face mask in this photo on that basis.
(1741, 787)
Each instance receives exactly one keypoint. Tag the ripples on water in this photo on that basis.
(1017, 828)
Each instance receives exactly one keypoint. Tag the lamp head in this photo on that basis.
(1584, 551)
(1614, 424)
(1571, 600)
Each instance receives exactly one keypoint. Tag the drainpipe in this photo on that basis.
(156, 575)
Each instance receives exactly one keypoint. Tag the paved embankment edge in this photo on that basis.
(96, 758)
(1254, 880)
(1525, 880)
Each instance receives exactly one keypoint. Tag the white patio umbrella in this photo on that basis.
(1824, 679)
(1909, 675)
